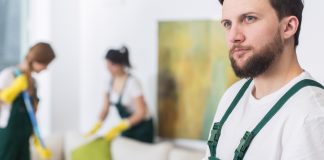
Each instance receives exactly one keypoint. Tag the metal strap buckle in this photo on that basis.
(214, 137)
(244, 145)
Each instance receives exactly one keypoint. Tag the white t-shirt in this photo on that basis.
(295, 132)
(6, 78)
(132, 90)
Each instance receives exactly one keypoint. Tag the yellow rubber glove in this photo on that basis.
(43, 152)
(115, 131)
(9, 94)
(94, 129)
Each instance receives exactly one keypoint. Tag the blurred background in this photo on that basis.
(81, 32)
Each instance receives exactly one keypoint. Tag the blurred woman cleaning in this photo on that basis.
(15, 123)
(125, 93)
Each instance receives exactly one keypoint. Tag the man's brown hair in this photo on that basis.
(285, 8)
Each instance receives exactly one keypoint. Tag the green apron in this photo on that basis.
(14, 139)
(143, 131)
(249, 135)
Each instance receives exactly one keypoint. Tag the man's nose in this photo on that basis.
(236, 34)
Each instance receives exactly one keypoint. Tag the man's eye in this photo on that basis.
(227, 25)
(249, 19)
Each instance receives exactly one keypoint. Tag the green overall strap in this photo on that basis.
(122, 110)
(123, 90)
(217, 127)
(248, 136)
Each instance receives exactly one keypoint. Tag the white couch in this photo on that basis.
(161, 151)
(122, 149)
(55, 143)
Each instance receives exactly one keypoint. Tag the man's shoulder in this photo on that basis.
(311, 96)
(308, 103)
(229, 95)
(234, 88)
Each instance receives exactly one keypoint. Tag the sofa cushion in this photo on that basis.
(178, 153)
(125, 148)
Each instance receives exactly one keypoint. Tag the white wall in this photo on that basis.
(39, 26)
(310, 51)
(82, 31)
(65, 75)
(57, 22)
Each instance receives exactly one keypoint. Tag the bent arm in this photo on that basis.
(8, 95)
(105, 108)
(140, 111)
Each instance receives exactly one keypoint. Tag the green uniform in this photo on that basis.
(15, 134)
(14, 139)
(143, 131)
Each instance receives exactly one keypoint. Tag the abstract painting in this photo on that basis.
(193, 73)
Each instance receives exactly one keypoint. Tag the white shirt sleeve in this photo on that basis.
(135, 88)
(6, 78)
(307, 142)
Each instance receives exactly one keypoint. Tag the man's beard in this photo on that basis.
(260, 61)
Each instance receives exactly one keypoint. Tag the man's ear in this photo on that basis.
(289, 26)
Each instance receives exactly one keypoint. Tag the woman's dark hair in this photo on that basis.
(119, 56)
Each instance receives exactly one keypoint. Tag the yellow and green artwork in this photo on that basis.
(194, 71)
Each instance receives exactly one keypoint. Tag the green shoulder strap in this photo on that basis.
(217, 127)
(248, 136)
